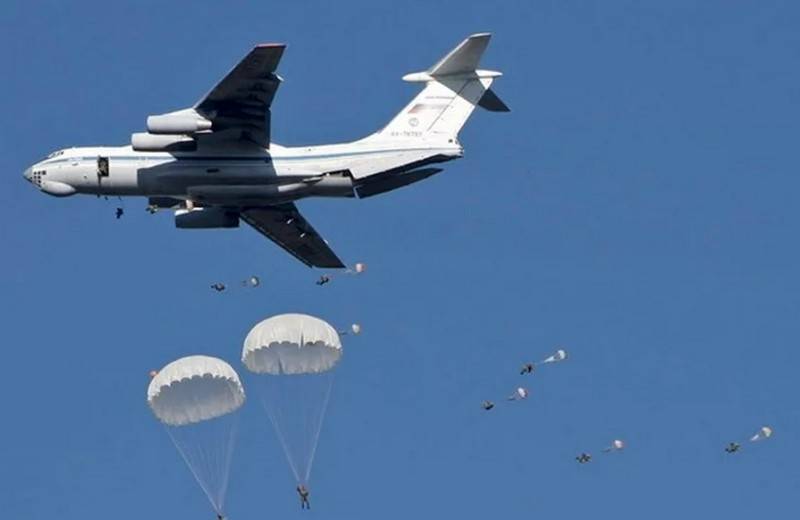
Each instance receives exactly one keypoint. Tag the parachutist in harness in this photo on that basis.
(733, 447)
(119, 213)
(527, 368)
(219, 287)
(583, 458)
(487, 405)
(323, 280)
(303, 492)
(304, 351)
(220, 517)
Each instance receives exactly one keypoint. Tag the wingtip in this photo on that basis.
(270, 45)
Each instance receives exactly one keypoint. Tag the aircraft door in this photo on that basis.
(102, 167)
(103, 171)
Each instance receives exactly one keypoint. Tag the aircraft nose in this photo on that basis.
(27, 174)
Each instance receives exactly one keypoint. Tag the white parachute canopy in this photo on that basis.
(616, 445)
(295, 355)
(519, 394)
(559, 355)
(253, 281)
(195, 398)
(194, 389)
(765, 432)
(291, 344)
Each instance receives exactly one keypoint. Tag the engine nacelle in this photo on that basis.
(205, 218)
(180, 122)
(144, 142)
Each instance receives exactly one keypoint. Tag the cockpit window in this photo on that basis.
(57, 153)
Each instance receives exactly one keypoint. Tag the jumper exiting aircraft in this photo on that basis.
(215, 165)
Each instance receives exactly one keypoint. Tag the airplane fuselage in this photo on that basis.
(211, 176)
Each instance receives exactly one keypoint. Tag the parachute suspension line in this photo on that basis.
(281, 437)
(296, 405)
(295, 355)
(228, 453)
(321, 419)
(196, 459)
(209, 462)
(276, 417)
(194, 463)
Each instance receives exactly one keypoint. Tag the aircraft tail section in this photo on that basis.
(454, 86)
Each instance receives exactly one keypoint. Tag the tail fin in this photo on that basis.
(453, 87)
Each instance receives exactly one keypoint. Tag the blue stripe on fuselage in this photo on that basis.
(262, 158)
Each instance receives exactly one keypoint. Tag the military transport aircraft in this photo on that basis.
(215, 165)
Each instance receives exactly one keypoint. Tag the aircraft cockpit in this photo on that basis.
(53, 155)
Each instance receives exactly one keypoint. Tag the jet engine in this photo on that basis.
(206, 218)
(144, 142)
(180, 122)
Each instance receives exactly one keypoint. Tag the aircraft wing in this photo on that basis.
(284, 225)
(242, 100)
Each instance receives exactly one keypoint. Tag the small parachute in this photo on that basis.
(294, 356)
(616, 445)
(765, 432)
(357, 269)
(355, 330)
(559, 355)
(519, 394)
(196, 398)
(253, 281)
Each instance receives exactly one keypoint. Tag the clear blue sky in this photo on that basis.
(638, 206)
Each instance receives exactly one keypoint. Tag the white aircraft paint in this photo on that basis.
(233, 171)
